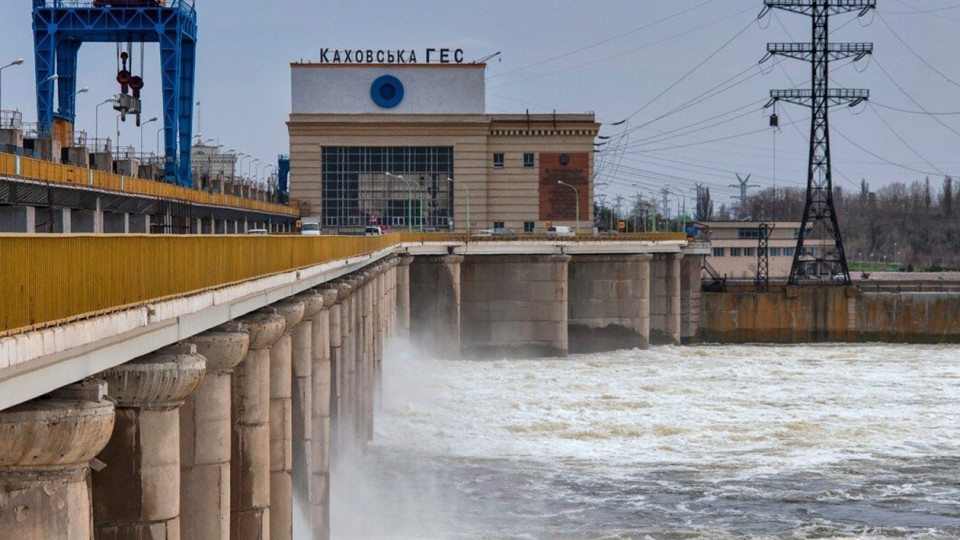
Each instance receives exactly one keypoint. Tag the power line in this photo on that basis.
(687, 74)
(603, 42)
(881, 158)
(913, 52)
(901, 139)
(925, 113)
(915, 102)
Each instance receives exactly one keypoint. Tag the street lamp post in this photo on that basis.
(154, 119)
(242, 156)
(409, 199)
(467, 191)
(256, 171)
(577, 195)
(250, 165)
(159, 130)
(96, 116)
(16, 62)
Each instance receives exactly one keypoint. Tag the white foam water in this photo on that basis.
(812, 441)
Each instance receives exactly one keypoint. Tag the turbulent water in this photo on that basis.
(837, 441)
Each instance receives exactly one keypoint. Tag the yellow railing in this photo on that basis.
(46, 171)
(47, 278)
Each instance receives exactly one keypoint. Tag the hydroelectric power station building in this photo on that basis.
(410, 145)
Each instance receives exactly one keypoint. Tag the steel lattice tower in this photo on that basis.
(60, 27)
(819, 226)
(762, 280)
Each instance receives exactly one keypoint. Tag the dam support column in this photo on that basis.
(609, 302)
(347, 411)
(690, 306)
(281, 422)
(336, 312)
(321, 442)
(205, 436)
(302, 405)
(403, 296)
(137, 495)
(371, 360)
(674, 315)
(435, 305)
(250, 437)
(46, 446)
(515, 306)
(665, 299)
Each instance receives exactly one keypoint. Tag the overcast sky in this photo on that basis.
(684, 72)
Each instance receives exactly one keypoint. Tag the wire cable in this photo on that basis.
(608, 40)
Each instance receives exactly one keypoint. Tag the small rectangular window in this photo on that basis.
(528, 226)
(774, 252)
(718, 252)
(788, 252)
(528, 160)
(748, 252)
(498, 160)
(498, 224)
(734, 252)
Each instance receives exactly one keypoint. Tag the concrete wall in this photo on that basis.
(609, 302)
(514, 306)
(435, 305)
(665, 299)
(812, 313)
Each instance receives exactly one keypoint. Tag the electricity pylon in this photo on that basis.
(825, 260)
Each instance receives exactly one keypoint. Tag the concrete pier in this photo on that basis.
(609, 302)
(435, 305)
(302, 403)
(137, 495)
(281, 422)
(250, 437)
(665, 316)
(45, 449)
(514, 306)
(347, 366)
(320, 432)
(336, 315)
(205, 436)
(403, 295)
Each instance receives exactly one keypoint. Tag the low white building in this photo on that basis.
(734, 247)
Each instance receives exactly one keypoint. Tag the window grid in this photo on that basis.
(357, 191)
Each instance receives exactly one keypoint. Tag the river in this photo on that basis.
(712, 442)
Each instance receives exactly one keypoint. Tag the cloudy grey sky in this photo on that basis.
(684, 72)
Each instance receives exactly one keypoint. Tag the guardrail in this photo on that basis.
(50, 278)
(47, 171)
(47, 279)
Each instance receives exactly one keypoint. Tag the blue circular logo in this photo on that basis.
(387, 91)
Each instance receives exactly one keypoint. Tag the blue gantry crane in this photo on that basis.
(61, 26)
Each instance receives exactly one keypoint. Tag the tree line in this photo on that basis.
(907, 224)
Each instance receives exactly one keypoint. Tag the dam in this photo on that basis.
(153, 399)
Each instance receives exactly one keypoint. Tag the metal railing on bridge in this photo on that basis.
(51, 278)
(48, 279)
(46, 171)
